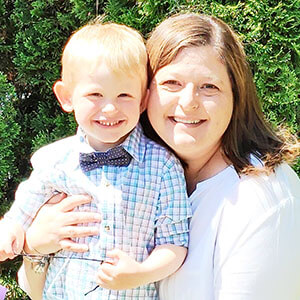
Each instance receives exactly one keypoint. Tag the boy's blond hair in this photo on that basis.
(122, 48)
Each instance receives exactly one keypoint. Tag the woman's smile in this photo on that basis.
(181, 120)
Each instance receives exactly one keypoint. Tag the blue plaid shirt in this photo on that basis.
(142, 206)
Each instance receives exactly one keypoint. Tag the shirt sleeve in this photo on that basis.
(258, 244)
(31, 194)
(174, 208)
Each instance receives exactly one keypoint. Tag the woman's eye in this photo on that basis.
(171, 82)
(171, 85)
(209, 89)
(209, 86)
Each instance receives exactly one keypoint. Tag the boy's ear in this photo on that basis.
(63, 96)
(144, 101)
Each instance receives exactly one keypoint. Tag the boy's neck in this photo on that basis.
(101, 146)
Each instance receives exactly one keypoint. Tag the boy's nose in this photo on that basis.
(109, 108)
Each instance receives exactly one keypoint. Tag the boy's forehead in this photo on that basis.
(90, 64)
(96, 69)
(84, 49)
(83, 55)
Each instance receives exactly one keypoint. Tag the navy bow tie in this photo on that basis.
(115, 157)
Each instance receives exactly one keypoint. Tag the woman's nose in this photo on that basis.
(189, 99)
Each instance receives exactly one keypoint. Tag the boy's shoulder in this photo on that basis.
(155, 151)
(55, 152)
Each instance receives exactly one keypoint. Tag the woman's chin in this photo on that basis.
(183, 142)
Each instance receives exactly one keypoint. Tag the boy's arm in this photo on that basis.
(30, 195)
(12, 239)
(163, 261)
(125, 273)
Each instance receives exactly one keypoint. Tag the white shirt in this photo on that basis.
(244, 240)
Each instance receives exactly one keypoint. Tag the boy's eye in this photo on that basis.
(124, 95)
(95, 95)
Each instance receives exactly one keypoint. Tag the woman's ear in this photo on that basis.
(63, 96)
(144, 101)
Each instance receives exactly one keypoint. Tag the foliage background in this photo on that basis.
(32, 35)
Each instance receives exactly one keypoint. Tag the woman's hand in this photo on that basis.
(56, 223)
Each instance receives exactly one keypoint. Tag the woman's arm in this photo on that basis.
(52, 229)
(30, 281)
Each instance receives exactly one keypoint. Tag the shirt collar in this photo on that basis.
(134, 144)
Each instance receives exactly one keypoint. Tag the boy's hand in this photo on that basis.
(122, 273)
(12, 239)
(125, 273)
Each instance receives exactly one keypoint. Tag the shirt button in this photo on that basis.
(107, 227)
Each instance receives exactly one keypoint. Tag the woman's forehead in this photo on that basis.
(202, 61)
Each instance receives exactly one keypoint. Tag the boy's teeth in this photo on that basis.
(186, 121)
(108, 123)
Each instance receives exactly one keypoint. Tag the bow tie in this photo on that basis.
(117, 156)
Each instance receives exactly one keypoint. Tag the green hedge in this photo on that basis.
(32, 34)
(9, 133)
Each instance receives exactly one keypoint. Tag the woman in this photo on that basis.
(245, 230)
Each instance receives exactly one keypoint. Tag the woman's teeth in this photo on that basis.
(178, 120)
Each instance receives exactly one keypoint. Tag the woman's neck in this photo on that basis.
(200, 169)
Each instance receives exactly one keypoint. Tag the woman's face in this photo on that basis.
(191, 102)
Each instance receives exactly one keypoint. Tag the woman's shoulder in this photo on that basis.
(276, 187)
(251, 196)
(256, 198)
(258, 233)
(258, 203)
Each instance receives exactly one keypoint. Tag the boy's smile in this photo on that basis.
(109, 123)
(107, 105)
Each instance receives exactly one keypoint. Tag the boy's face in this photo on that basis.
(107, 105)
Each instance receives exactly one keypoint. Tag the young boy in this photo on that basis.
(137, 185)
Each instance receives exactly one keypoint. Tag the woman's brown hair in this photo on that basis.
(248, 132)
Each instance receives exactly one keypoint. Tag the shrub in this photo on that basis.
(9, 134)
